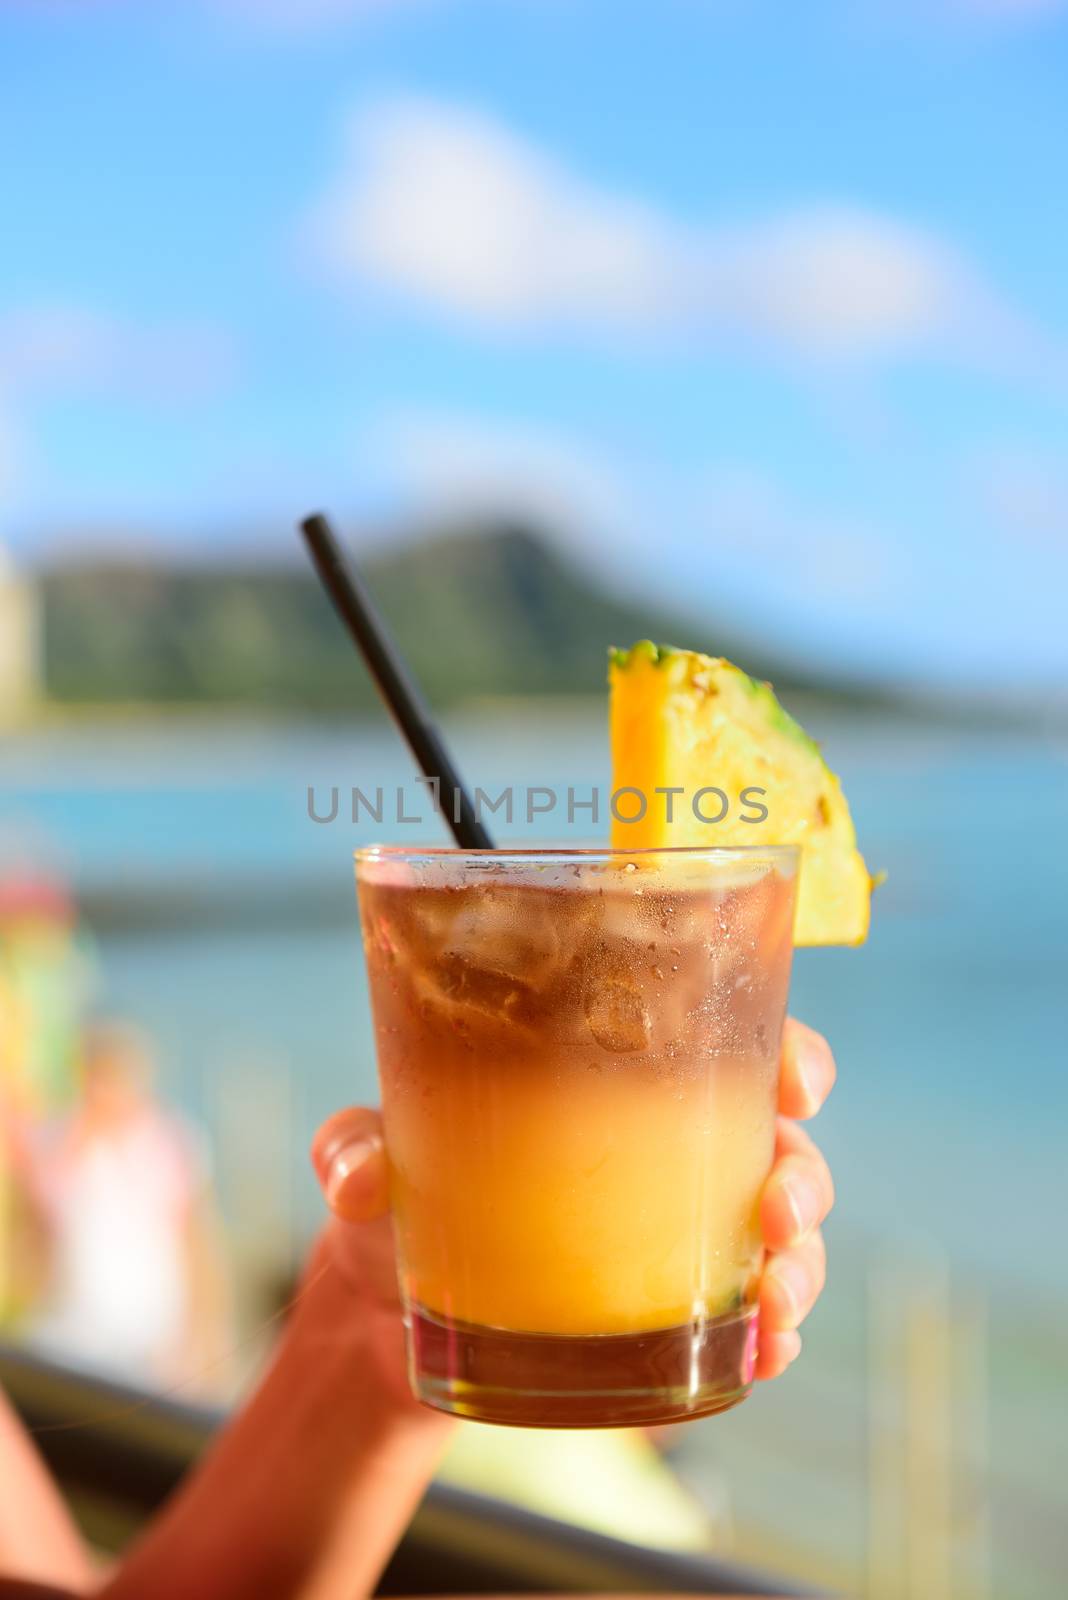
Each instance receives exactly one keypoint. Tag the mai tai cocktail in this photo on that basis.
(578, 1054)
(578, 1051)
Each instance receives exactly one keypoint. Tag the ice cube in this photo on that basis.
(488, 990)
(617, 1015)
(512, 931)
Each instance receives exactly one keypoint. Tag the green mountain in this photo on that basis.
(488, 611)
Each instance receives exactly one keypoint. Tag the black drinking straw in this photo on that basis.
(398, 688)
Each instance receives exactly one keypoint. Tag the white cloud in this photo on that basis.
(450, 208)
(736, 543)
(835, 281)
(55, 347)
(448, 464)
(729, 521)
(1023, 494)
(50, 351)
(842, 559)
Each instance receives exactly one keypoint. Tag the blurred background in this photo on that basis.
(743, 326)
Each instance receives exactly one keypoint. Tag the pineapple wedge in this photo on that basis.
(691, 721)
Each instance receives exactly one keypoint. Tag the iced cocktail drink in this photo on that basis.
(578, 1055)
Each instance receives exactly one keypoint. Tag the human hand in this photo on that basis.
(349, 1157)
(797, 1196)
(357, 1247)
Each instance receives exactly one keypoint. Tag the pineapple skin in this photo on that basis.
(685, 720)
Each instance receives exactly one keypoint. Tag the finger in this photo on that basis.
(796, 1198)
(350, 1162)
(775, 1352)
(807, 1070)
(792, 1139)
(367, 1259)
(792, 1283)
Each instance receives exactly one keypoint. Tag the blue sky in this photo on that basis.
(764, 308)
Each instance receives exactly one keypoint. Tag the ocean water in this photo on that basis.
(226, 924)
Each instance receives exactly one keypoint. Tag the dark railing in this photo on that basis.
(118, 1453)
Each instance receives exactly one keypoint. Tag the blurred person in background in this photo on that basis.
(312, 1483)
(136, 1284)
(45, 984)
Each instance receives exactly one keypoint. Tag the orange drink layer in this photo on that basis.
(579, 1066)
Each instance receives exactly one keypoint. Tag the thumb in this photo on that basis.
(350, 1162)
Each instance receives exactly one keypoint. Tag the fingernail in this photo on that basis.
(812, 1070)
(795, 1342)
(344, 1162)
(803, 1198)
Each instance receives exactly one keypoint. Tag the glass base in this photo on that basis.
(544, 1380)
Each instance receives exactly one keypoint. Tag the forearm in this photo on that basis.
(38, 1540)
(309, 1487)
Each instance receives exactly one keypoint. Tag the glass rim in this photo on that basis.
(719, 852)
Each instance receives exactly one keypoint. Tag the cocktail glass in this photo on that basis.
(578, 1054)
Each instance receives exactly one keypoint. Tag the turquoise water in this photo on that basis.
(946, 1129)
